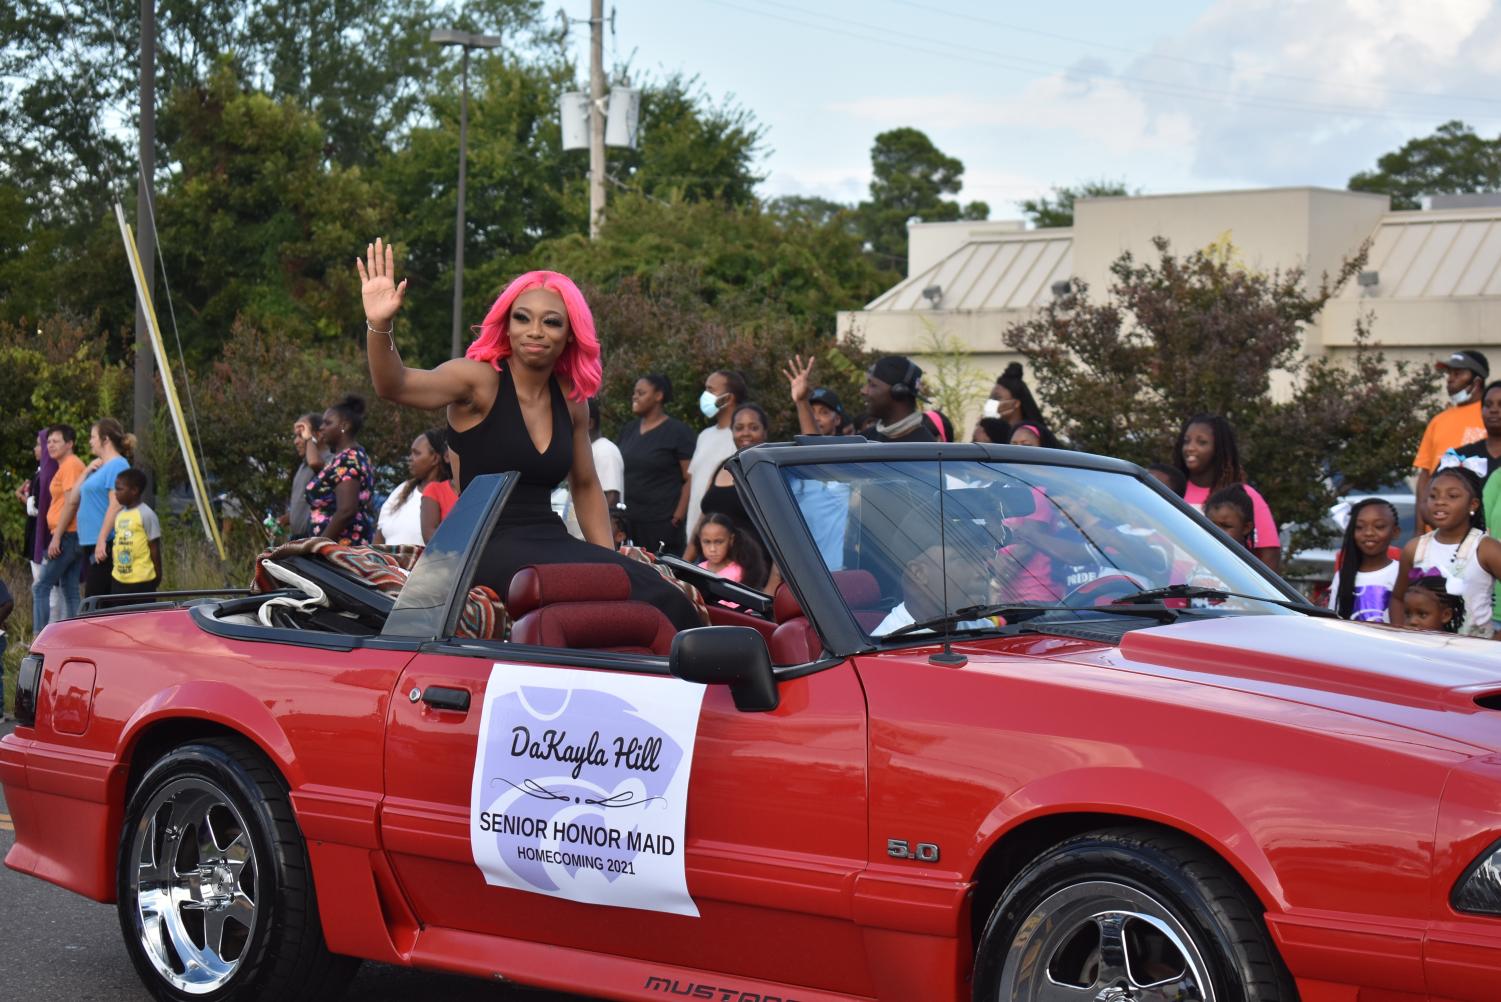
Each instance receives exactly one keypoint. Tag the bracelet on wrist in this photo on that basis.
(389, 333)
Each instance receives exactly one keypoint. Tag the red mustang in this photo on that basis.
(1020, 725)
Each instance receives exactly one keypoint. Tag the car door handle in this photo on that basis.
(443, 698)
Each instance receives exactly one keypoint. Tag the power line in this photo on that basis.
(986, 57)
(1167, 57)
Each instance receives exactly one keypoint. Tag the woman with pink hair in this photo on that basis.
(517, 402)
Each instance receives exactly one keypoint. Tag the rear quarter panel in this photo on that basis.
(318, 715)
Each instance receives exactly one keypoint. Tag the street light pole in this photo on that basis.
(466, 41)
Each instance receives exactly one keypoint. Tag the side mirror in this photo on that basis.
(735, 656)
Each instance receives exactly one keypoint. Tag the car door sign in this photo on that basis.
(580, 785)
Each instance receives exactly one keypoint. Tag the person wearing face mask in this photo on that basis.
(1011, 401)
(1460, 424)
(724, 391)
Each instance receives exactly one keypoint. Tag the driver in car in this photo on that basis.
(969, 562)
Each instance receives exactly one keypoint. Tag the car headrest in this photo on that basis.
(784, 604)
(552, 584)
(858, 588)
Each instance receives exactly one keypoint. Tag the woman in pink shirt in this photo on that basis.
(1207, 455)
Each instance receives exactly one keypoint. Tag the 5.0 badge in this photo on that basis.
(923, 852)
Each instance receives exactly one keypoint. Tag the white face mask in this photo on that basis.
(992, 409)
(709, 403)
(1463, 396)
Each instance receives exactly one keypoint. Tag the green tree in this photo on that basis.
(524, 189)
(55, 371)
(1179, 336)
(739, 261)
(909, 179)
(520, 189)
(68, 69)
(691, 147)
(1058, 210)
(1453, 160)
(262, 381)
(669, 328)
(254, 222)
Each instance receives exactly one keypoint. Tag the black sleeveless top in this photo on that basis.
(500, 444)
(726, 501)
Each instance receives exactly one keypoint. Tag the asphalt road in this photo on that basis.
(58, 947)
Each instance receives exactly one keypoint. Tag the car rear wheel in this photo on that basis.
(1128, 915)
(215, 896)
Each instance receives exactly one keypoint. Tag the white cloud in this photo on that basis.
(1249, 93)
(1311, 92)
(1101, 112)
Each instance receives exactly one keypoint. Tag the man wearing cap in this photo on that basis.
(818, 410)
(891, 391)
(1465, 373)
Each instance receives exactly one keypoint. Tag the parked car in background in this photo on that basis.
(1312, 570)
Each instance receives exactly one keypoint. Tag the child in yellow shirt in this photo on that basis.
(138, 539)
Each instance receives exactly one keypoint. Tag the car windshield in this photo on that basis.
(903, 553)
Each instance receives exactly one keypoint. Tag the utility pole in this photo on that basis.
(145, 364)
(596, 117)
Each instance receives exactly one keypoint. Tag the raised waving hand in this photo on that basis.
(797, 372)
(378, 288)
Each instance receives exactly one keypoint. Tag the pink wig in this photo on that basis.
(579, 363)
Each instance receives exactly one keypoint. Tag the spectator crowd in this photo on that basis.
(668, 490)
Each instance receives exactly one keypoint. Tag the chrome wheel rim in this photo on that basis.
(195, 885)
(1102, 941)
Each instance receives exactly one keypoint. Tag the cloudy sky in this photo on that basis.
(1165, 96)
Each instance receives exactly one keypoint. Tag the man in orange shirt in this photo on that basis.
(1465, 373)
(64, 559)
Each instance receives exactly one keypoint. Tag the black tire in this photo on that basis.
(215, 896)
(1130, 909)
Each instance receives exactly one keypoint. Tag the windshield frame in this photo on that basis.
(770, 504)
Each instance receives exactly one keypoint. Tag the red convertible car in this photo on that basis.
(1019, 725)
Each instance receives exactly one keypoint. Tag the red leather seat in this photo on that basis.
(584, 607)
(795, 642)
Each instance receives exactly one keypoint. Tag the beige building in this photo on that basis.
(1432, 282)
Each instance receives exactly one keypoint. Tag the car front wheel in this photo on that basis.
(1128, 915)
(215, 896)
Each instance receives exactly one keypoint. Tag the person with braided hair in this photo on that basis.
(1457, 548)
(1365, 573)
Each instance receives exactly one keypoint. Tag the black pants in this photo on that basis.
(135, 588)
(659, 536)
(97, 577)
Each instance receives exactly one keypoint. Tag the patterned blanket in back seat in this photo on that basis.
(385, 568)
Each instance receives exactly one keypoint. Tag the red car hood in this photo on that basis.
(1329, 656)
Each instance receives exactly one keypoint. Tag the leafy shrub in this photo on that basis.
(1201, 334)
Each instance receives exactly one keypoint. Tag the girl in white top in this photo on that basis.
(400, 521)
(1366, 574)
(1457, 548)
